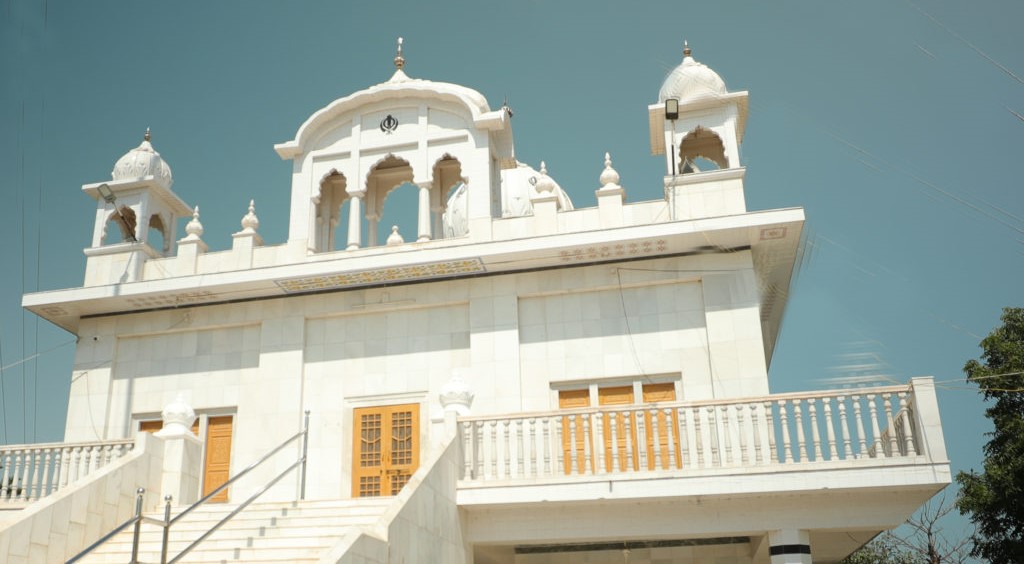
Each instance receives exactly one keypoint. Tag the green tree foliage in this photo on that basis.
(995, 497)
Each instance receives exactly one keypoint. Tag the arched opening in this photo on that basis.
(455, 219)
(158, 237)
(447, 179)
(401, 212)
(389, 174)
(329, 213)
(120, 227)
(701, 150)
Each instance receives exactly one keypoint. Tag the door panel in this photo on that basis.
(654, 393)
(625, 431)
(385, 449)
(218, 456)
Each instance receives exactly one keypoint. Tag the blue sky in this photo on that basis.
(896, 125)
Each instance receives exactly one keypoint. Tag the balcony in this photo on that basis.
(653, 471)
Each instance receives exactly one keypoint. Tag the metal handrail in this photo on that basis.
(304, 433)
(134, 520)
(166, 523)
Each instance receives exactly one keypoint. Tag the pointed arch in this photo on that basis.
(384, 176)
(328, 201)
(447, 178)
(125, 226)
(158, 226)
(702, 143)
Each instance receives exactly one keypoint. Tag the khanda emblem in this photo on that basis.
(389, 124)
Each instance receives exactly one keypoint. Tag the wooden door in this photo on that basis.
(573, 399)
(218, 456)
(622, 426)
(654, 393)
(385, 449)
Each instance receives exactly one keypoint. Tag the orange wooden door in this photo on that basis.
(654, 393)
(573, 399)
(618, 395)
(218, 456)
(385, 449)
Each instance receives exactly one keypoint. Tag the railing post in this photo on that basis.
(305, 450)
(167, 529)
(138, 525)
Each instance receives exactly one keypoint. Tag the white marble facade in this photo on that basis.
(506, 288)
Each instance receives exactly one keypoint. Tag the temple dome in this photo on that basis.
(517, 185)
(143, 161)
(691, 80)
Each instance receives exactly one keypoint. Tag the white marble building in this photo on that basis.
(549, 382)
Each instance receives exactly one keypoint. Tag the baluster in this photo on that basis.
(744, 458)
(490, 469)
(5, 485)
(555, 463)
(530, 456)
(908, 431)
(861, 437)
(600, 431)
(505, 449)
(830, 430)
(686, 448)
(700, 442)
(15, 484)
(25, 479)
(515, 445)
(613, 447)
(86, 461)
(574, 457)
(63, 462)
(714, 437)
(875, 431)
(467, 451)
(110, 455)
(769, 421)
(45, 482)
(670, 432)
(627, 431)
(587, 468)
(894, 446)
(32, 492)
(727, 454)
(844, 428)
(641, 435)
(755, 433)
(812, 409)
(784, 419)
(655, 459)
(801, 436)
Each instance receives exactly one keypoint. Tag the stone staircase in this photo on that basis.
(263, 532)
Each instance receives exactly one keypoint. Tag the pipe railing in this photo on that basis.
(780, 429)
(168, 521)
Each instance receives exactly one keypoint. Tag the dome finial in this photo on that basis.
(147, 136)
(399, 59)
(686, 49)
(250, 223)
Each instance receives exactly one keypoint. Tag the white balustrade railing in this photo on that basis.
(781, 429)
(29, 472)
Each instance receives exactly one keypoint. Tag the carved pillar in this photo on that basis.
(423, 215)
(355, 220)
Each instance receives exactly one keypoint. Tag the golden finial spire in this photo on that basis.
(146, 136)
(399, 60)
(686, 48)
